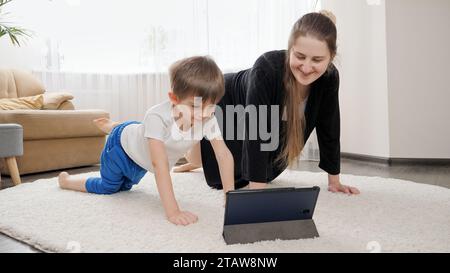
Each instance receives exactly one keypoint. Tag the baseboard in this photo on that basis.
(384, 160)
(398, 161)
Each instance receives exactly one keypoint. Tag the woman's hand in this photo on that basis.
(343, 188)
(334, 185)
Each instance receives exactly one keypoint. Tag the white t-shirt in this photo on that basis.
(160, 124)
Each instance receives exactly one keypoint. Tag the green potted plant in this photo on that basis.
(14, 33)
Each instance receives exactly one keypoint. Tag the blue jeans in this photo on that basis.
(117, 170)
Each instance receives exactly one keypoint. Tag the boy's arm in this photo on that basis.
(160, 165)
(226, 163)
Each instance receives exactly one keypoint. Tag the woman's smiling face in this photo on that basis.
(309, 59)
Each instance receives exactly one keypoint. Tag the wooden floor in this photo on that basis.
(434, 175)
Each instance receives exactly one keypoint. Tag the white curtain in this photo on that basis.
(112, 36)
(115, 54)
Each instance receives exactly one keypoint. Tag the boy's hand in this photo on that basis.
(226, 164)
(183, 218)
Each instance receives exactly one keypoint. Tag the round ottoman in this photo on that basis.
(11, 145)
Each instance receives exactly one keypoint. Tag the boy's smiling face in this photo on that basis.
(191, 110)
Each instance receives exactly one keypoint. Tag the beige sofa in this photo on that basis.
(52, 139)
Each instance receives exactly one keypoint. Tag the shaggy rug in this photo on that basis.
(389, 216)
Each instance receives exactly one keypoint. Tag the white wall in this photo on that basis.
(394, 64)
(362, 65)
(418, 39)
(393, 60)
(25, 57)
(28, 55)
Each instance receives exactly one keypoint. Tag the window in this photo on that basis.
(143, 36)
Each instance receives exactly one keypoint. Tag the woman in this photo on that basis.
(303, 82)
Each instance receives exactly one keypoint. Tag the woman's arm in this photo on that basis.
(328, 130)
(256, 158)
(328, 127)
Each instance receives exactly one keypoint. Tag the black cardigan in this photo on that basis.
(263, 85)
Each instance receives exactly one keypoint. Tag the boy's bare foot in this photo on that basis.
(63, 179)
(185, 168)
(68, 182)
(105, 124)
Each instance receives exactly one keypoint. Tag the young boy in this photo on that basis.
(168, 131)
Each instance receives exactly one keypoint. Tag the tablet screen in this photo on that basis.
(269, 205)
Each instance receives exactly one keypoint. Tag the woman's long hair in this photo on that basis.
(322, 27)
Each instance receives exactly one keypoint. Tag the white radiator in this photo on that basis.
(124, 96)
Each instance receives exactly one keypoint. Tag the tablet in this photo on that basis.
(270, 205)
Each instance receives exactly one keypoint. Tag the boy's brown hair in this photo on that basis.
(197, 76)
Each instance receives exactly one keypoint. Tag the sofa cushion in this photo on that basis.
(67, 105)
(47, 101)
(54, 124)
(7, 84)
(52, 100)
(33, 103)
(27, 84)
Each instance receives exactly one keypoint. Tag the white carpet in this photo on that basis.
(389, 216)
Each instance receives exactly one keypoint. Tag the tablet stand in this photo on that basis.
(284, 230)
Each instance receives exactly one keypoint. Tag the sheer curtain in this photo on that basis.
(115, 54)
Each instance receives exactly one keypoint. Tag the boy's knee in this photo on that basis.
(108, 189)
(101, 187)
